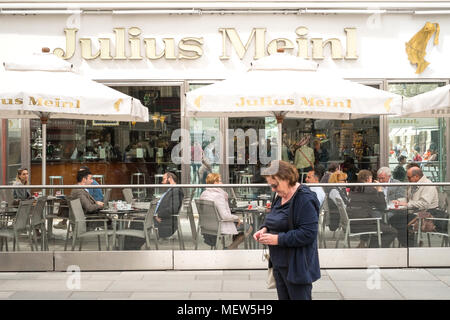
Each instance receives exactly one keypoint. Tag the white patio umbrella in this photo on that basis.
(288, 86)
(43, 86)
(431, 104)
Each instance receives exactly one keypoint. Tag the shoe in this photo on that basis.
(249, 231)
(237, 241)
(362, 244)
(61, 225)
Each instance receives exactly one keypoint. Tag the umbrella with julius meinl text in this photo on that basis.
(431, 104)
(283, 85)
(43, 86)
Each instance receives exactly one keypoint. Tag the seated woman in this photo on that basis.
(220, 198)
(364, 202)
(21, 180)
(334, 193)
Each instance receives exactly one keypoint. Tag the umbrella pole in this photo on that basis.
(44, 152)
(279, 136)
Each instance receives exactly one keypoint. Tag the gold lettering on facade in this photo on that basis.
(135, 43)
(168, 52)
(192, 46)
(230, 33)
(302, 42)
(318, 46)
(86, 49)
(281, 43)
(70, 44)
(351, 44)
(120, 44)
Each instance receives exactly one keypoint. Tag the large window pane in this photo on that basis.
(420, 140)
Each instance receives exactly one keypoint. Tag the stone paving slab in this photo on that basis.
(244, 285)
(326, 296)
(51, 285)
(220, 296)
(439, 271)
(324, 286)
(5, 295)
(422, 289)
(357, 290)
(407, 274)
(40, 295)
(100, 295)
(160, 296)
(166, 286)
(350, 275)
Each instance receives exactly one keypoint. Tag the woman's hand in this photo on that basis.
(269, 239)
(258, 234)
(239, 222)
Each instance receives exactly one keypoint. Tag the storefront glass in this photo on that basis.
(352, 143)
(420, 140)
(119, 152)
(14, 158)
(251, 145)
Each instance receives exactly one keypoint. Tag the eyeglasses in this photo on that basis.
(274, 186)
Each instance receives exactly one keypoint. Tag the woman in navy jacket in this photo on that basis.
(293, 250)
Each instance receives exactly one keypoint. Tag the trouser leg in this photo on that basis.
(290, 291)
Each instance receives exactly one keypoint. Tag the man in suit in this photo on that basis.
(168, 205)
(384, 175)
(89, 204)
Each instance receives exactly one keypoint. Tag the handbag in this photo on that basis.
(427, 225)
(271, 284)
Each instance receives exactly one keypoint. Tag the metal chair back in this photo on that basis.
(76, 215)
(148, 221)
(37, 213)
(23, 215)
(107, 197)
(342, 213)
(8, 196)
(208, 217)
(128, 195)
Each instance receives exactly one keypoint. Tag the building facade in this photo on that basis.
(157, 52)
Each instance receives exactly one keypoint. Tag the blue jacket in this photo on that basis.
(96, 193)
(299, 244)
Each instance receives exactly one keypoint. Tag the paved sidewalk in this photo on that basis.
(335, 284)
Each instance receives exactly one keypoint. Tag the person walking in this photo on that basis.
(290, 231)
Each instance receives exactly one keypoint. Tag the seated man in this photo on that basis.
(418, 199)
(84, 178)
(314, 176)
(95, 193)
(168, 205)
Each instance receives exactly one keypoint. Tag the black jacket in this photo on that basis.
(169, 206)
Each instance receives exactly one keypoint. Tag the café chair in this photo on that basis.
(79, 225)
(324, 220)
(20, 225)
(441, 222)
(128, 195)
(144, 233)
(106, 198)
(37, 222)
(345, 225)
(209, 222)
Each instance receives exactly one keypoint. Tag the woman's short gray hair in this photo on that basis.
(385, 170)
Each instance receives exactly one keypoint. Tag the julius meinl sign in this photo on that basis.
(191, 48)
